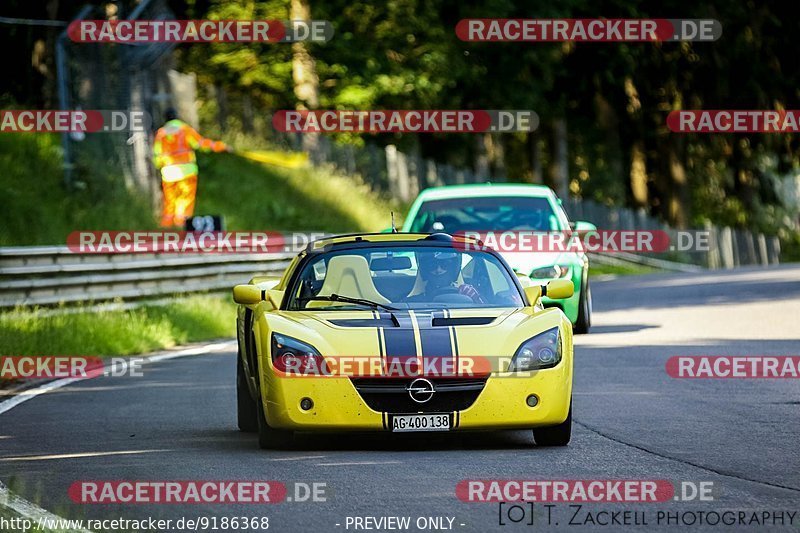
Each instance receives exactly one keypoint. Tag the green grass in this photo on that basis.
(117, 332)
(38, 210)
(250, 196)
(254, 196)
(619, 270)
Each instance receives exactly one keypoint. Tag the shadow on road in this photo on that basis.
(233, 440)
(620, 328)
(659, 290)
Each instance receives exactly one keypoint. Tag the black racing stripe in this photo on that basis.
(400, 340)
(435, 342)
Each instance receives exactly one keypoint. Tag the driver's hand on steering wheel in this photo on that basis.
(468, 290)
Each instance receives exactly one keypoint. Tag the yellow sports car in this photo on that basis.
(402, 332)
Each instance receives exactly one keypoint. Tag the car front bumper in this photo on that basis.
(339, 406)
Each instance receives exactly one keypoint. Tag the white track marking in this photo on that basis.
(302, 458)
(82, 455)
(361, 463)
(31, 511)
(30, 394)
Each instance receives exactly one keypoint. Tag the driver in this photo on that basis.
(439, 271)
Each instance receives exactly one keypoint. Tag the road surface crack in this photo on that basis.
(685, 462)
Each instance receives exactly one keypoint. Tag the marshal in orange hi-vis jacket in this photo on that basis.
(174, 151)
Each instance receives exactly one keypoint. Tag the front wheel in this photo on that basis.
(584, 321)
(246, 412)
(555, 435)
(270, 438)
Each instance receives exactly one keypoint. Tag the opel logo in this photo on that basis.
(421, 390)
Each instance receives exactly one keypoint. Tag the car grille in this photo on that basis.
(390, 395)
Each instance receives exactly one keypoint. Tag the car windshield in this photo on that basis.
(404, 277)
(488, 213)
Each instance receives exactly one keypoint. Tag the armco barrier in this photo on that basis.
(48, 275)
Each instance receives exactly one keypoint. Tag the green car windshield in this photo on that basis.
(404, 277)
(497, 213)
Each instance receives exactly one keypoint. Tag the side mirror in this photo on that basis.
(247, 294)
(559, 289)
(581, 226)
(533, 293)
(275, 297)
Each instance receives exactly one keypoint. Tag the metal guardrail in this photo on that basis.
(48, 275)
(624, 258)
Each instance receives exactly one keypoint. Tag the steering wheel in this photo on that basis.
(444, 290)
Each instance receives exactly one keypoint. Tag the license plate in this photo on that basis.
(440, 422)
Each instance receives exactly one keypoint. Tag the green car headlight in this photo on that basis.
(555, 271)
(536, 353)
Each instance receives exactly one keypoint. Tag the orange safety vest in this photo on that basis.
(175, 144)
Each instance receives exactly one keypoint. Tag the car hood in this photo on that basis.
(527, 262)
(489, 332)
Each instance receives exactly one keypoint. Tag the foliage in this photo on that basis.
(116, 332)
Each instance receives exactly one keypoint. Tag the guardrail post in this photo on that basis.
(737, 253)
(763, 259)
(391, 169)
(774, 250)
(712, 256)
(403, 177)
(749, 241)
(726, 248)
(641, 219)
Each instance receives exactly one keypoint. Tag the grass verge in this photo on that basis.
(117, 332)
(620, 270)
(38, 210)
(250, 196)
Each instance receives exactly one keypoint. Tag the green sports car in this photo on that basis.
(498, 208)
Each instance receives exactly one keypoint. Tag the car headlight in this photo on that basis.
(541, 351)
(294, 356)
(555, 271)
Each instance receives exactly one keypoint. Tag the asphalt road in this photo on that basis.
(633, 422)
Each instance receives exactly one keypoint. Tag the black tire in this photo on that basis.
(246, 412)
(270, 438)
(584, 321)
(555, 435)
